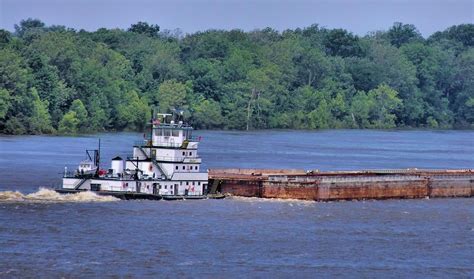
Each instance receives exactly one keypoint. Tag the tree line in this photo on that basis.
(55, 79)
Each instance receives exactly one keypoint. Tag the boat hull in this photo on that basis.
(119, 195)
(192, 197)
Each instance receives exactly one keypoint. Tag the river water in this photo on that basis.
(47, 235)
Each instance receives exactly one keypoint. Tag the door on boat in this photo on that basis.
(138, 187)
(175, 189)
(155, 190)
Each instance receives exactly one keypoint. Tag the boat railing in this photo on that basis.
(70, 174)
(158, 144)
(194, 138)
(193, 194)
(142, 143)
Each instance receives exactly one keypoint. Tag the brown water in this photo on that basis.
(43, 234)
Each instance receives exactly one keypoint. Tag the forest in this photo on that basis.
(57, 80)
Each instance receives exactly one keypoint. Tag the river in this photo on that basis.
(47, 235)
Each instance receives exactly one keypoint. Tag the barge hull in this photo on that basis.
(354, 185)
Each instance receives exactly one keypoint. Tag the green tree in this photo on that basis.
(312, 65)
(385, 104)
(4, 103)
(172, 94)
(400, 34)
(141, 27)
(69, 123)
(339, 42)
(28, 25)
(81, 113)
(40, 120)
(5, 37)
(361, 107)
(133, 113)
(207, 114)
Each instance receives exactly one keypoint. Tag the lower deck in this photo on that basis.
(151, 187)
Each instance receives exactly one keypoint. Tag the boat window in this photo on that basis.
(175, 133)
(184, 153)
(176, 167)
(166, 187)
(184, 167)
(160, 186)
(199, 183)
(187, 182)
(196, 167)
(190, 154)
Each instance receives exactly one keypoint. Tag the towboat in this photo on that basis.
(164, 165)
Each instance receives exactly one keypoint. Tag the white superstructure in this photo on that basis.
(167, 163)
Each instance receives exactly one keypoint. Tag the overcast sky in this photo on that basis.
(358, 16)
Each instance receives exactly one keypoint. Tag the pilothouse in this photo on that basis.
(166, 164)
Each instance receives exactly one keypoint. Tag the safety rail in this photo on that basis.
(141, 143)
(195, 138)
(147, 143)
(181, 159)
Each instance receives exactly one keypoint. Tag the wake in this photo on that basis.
(48, 195)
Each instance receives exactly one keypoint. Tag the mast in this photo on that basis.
(97, 159)
(152, 120)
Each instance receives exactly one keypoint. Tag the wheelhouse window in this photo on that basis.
(175, 133)
(158, 132)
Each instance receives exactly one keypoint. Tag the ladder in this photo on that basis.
(153, 160)
(80, 183)
(214, 186)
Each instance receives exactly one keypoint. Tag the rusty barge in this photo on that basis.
(342, 185)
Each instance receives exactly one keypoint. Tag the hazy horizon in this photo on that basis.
(359, 17)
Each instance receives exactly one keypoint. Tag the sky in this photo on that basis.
(357, 16)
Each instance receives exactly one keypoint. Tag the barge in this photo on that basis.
(166, 165)
(343, 185)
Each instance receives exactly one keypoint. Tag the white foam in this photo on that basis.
(48, 195)
(289, 201)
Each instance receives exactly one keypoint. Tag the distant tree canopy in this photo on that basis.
(145, 28)
(55, 79)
